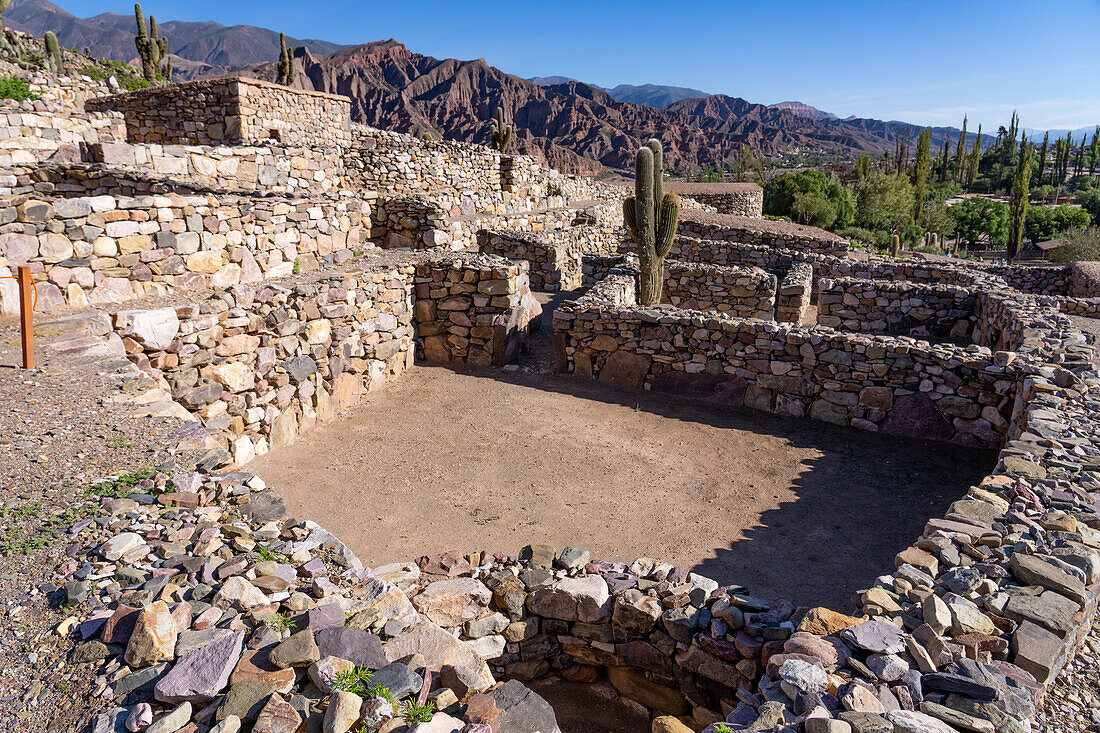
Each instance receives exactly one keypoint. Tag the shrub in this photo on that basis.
(12, 87)
(1081, 245)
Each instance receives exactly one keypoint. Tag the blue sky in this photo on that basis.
(923, 62)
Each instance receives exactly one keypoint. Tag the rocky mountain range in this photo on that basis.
(574, 126)
(203, 48)
(652, 95)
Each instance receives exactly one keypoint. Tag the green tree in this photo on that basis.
(1043, 151)
(781, 192)
(1021, 187)
(975, 155)
(884, 202)
(943, 162)
(1094, 151)
(978, 220)
(863, 166)
(1046, 222)
(960, 154)
(920, 171)
(1090, 203)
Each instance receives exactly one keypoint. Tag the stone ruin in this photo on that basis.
(248, 205)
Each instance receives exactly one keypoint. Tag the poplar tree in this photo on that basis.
(1043, 155)
(920, 171)
(1094, 151)
(975, 154)
(1079, 160)
(960, 153)
(1017, 206)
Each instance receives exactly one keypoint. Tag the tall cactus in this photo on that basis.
(53, 52)
(3, 6)
(652, 217)
(895, 246)
(285, 69)
(501, 134)
(148, 45)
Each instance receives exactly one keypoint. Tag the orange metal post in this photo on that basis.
(26, 316)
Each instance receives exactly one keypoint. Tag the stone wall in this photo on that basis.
(740, 292)
(873, 383)
(473, 309)
(793, 299)
(1084, 280)
(230, 109)
(766, 233)
(106, 249)
(258, 364)
(897, 307)
(738, 199)
(463, 178)
(35, 131)
(555, 256)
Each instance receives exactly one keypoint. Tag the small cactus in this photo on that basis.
(428, 137)
(168, 69)
(285, 69)
(501, 134)
(148, 45)
(652, 217)
(895, 246)
(53, 53)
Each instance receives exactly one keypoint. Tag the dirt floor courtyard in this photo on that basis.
(453, 460)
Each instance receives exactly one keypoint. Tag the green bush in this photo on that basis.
(120, 71)
(12, 87)
(1081, 245)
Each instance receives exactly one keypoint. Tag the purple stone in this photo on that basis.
(200, 675)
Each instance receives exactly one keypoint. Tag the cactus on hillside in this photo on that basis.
(652, 217)
(53, 53)
(3, 6)
(285, 69)
(168, 69)
(895, 246)
(148, 45)
(428, 137)
(501, 134)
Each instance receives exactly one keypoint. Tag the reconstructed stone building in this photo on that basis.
(230, 109)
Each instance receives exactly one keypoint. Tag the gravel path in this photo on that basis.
(56, 436)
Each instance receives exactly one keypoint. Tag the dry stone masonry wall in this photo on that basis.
(107, 249)
(745, 293)
(230, 109)
(473, 309)
(738, 199)
(897, 307)
(259, 364)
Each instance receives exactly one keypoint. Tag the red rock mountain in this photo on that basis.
(573, 126)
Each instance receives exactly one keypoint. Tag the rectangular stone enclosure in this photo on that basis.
(230, 109)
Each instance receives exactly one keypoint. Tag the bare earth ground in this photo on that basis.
(444, 460)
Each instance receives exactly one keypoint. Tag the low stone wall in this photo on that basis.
(36, 131)
(900, 308)
(1084, 280)
(740, 292)
(793, 298)
(763, 232)
(257, 365)
(107, 249)
(870, 382)
(555, 256)
(230, 109)
(473, 309)
(738, 199)
(416, 221)
(463, 178)
(1034, 279)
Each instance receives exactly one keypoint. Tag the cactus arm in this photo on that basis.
(668, 217)
(658, 169)
(629, 217)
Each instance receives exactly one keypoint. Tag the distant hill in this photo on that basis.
(651, 95)
(805, 110)
(213, 47)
